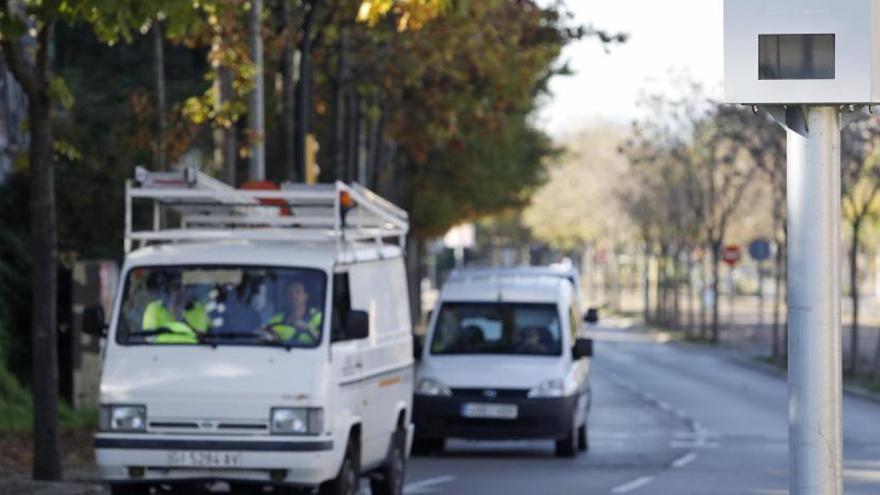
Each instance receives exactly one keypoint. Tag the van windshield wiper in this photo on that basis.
(162, 330)
(262, 337)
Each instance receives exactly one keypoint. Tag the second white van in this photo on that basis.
(504, 359)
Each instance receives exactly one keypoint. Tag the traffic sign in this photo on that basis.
(759, 249)
(731, 255)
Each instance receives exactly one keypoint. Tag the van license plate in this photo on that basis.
(491, 411)
(195, 458)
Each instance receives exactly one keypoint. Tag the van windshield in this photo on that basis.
(497, 328)
(222, 305)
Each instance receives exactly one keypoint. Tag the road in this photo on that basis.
(667, 419)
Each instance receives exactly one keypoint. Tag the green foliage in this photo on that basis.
(15, 283)
(15, 404)
(457, 95)
(16, 408)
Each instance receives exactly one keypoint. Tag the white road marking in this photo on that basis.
(694, 435)
(698, 444)
(427, 486)
(633, 485)
(684, 460)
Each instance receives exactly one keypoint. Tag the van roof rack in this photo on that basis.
(207, 209)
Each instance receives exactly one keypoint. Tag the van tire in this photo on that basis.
(425, 446)
(583, 438)
(129, 489)
(347, 481)
(389, 479)
(568, 445)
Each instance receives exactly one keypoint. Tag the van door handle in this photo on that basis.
(359, 365)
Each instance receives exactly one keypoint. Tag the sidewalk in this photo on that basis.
(23, 486)
(740, 344)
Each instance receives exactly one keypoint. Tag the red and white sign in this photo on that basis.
(731, 255)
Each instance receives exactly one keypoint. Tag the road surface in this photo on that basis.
(667, 419)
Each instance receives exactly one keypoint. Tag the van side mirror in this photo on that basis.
(583, 348)
(358, 325)
(592, 316)
(93, 321)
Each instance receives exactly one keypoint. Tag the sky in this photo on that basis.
(681, 36)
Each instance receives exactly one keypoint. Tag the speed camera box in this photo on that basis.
(802, 51)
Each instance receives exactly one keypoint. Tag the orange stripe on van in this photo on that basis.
(387, 382)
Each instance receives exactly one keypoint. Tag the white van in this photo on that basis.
(503, 359)
(258, 345)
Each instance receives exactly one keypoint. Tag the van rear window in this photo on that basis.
(497, 328)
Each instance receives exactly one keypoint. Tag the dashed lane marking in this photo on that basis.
(632, 485)
(429, 485)
(684, 460)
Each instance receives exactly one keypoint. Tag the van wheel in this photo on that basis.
(568, 445)
(390, 476)
(425, 446)
(129, 489)
(347, 481)
(583, 438)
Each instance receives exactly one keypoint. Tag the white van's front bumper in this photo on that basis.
(147, 457)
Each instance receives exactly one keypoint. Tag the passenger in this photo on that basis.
(161, 313)
(300, 323)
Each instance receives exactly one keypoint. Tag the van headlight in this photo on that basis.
(122, 418)
(433, 388)
(548, 389)
(296, 421)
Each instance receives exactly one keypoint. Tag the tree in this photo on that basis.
(28, 58)
(696, 175)
(860, 186)
(724, 174)
(764, 139)
(577, 210)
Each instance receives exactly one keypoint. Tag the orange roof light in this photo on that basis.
(345, 200)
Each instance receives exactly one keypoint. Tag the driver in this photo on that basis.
(301, 323)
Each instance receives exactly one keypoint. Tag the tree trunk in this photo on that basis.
(303, 90)
(47, 451)
(414, 276)
(716, 272)
(377, 145)
(228, 147)
(339, 107)
(256, 102)
(704, 328)
(777, 297)
(689, 294)
(676, 290)
(159, 159)
(351, 135)
(854, 295)
(34, 76)
(646, 303)
(659, 303)
(288, 96)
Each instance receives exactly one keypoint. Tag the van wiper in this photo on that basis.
(163, 330)
(263, 337)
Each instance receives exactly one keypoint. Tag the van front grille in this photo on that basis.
(208, 427)
(490, 393)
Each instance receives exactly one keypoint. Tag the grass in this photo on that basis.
(16, 409)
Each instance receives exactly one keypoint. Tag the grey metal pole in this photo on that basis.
(814, 366)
